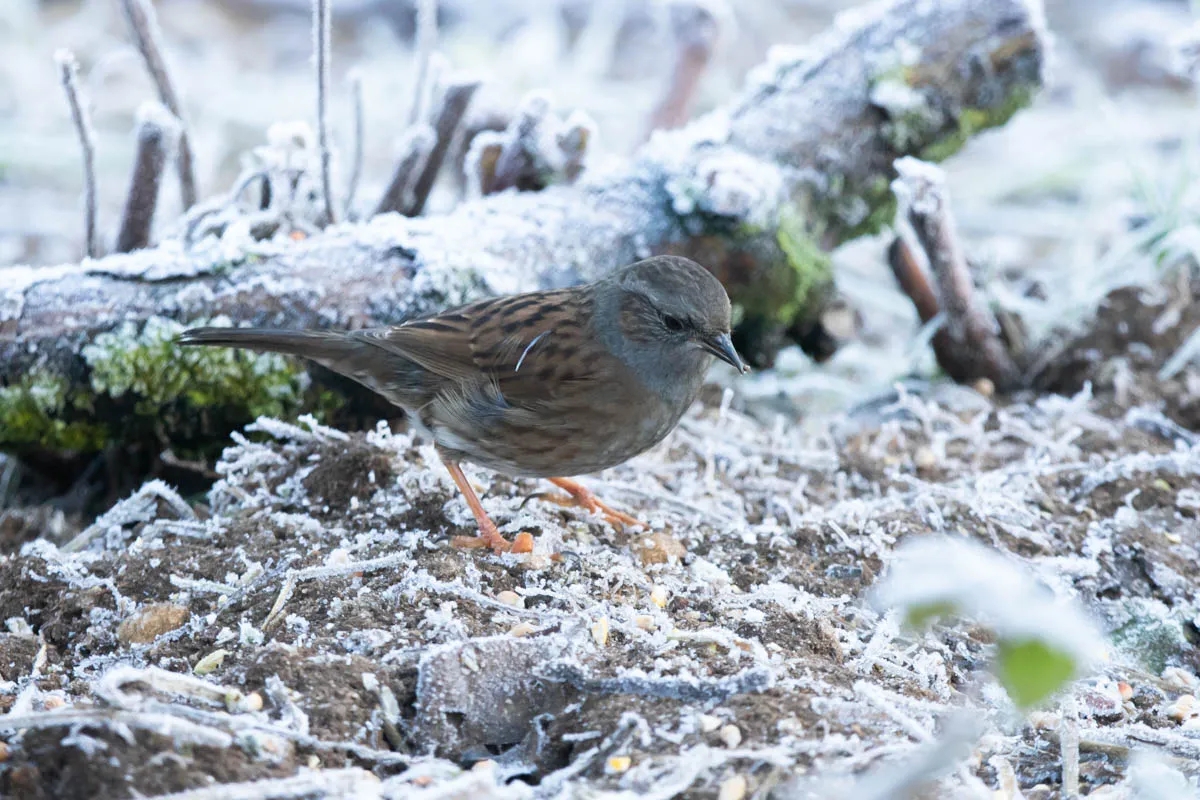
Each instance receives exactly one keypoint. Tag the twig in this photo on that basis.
(415, 146)
(69, 74)
(973, 347)
(696, 31)
(356, 164)
(518, 161)
(157, 134)
(451, 109)
(148, 38)
(181, 730)
(321, 46)
(1069, 747)
(343, 782)
(426, 41)
(909, 270)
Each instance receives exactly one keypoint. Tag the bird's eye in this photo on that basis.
(673, 324)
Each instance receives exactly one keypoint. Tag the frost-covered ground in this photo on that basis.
(314, 626)
(307, 622)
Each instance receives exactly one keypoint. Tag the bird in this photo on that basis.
(549, 384)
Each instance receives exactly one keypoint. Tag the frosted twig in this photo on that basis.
(909, 268)
(452, 107)
(109, 687)
(696, 31)
(414, 148)
(426, 42)
(148, 38)
(141, 506)
(289, 713)
(322, 24)
(973, 347)
(181, 730)
(517, 163)
(201, 585)
(1068, 745)
(688, 689)
(356, 162)
(334, 783)
(285, 594)
(157, 135)
(69, 75)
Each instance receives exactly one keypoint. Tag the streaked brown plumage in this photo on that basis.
(545, 384)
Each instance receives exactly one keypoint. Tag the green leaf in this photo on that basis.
(1031, 670)
(921, 616)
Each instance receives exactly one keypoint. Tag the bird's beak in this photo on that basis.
(721, 346)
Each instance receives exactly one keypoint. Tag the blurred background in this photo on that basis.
(1047, 205)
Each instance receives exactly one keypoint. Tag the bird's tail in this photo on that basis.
(320, 346)
(396, 378)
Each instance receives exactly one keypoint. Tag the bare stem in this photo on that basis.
(973, 348)
(356, 163)
(157, 134)
(451, 110)
(148, 38)
(426, 41)
(322, 24)
(69, 74)
(696, 31)
(415, 147)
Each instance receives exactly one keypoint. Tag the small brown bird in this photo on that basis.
(546, 384)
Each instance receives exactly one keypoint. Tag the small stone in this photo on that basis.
(660, 548)
(151, 622)
(522, 629)
(924, 459)
(732, 788)
(730, 735)
(645, 622)
(536, 562)
(1181, 709)
(600, 631)
(984, 387)
(254, 702)
(619, 764)
(510, 598)
(659, 596)
(52, 702)
(314, 762)
(211, 662)
(709, 723)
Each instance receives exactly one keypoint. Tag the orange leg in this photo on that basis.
(489, 535)
(582, 497)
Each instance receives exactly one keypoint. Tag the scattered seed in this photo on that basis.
(522, 629)
(709, 723)
(731, 736)
(619, 763)
(732, 788)
(659, 596)
(211, 662)
(511, 598)
(600, 631)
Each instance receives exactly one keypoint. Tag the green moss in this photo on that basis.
(973, 120)
(811, 267)
(31, 414)
(149, 365)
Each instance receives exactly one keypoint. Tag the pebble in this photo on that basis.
(151, 622)
(1181, 709)
(660, 548)
(731, 736)
(600, 631)
(511, 598)
(709, 723)
(619, 763)
(521, 629)
(732, 788)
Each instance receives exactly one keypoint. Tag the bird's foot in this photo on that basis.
(521, 543)
(579, 496)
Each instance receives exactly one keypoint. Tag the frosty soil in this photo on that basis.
(355, 637)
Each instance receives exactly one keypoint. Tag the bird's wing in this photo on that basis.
(530, 346)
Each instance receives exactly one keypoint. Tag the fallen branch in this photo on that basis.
(968, 345)
(415, 146)
(451, 109)
(757, 191)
